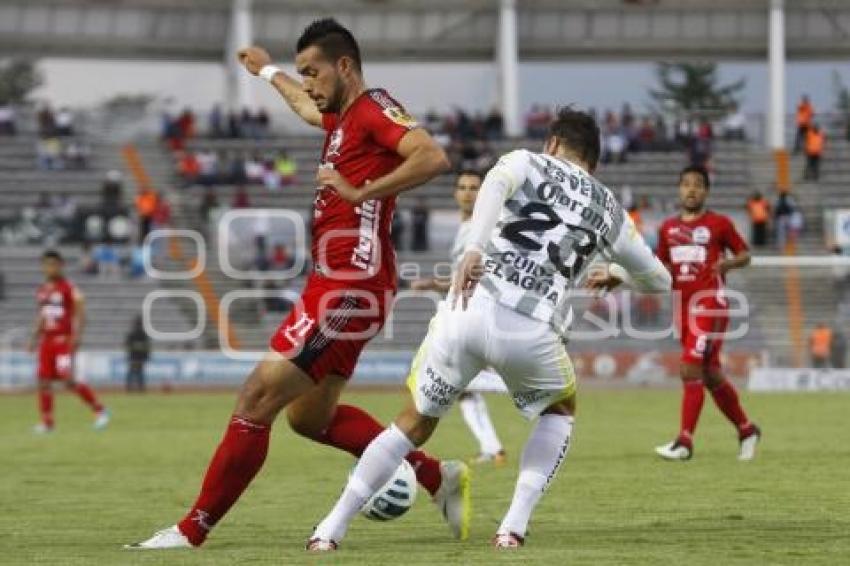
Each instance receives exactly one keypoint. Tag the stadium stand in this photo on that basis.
(648, 174)
(111, 307)
(739, 167)
(115, 298)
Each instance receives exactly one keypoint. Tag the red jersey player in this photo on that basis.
(373, 150)
(56, 335)
(694, 246)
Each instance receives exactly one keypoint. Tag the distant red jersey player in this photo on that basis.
(373, 150)
(56, 335)
(694, 246)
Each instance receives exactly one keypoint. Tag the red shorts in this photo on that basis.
(55, 358)
(331, 324)
(701, 330)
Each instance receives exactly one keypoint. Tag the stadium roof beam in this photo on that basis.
(776, 66)
(508, 59)
(439, 30)
(240, 86)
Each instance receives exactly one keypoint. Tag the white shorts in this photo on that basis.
(487, 382)
(527, 353)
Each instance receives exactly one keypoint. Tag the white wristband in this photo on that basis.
(269, 71)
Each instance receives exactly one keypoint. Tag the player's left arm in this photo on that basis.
(740, 257)
(423, 158)
(633, 263)
(79, 323)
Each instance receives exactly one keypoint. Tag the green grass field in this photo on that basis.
(76, 496)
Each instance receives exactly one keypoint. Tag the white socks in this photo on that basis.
(376, 466)
(543, 454)
(473, 407)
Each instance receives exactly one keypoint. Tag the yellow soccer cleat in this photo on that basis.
(454, 499)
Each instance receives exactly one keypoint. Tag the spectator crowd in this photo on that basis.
(209, 167)
(247, 124)
(467, 137)
(57, 148)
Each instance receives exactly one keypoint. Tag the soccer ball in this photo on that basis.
(395, 498)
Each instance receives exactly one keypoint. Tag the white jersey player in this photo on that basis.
(471, 402)
(539, 221)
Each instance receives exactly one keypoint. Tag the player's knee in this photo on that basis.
(564, 407)
(691, 372)
(305, 426)
(250, 394)
(417, 427)
(711, 380)
(260, 400)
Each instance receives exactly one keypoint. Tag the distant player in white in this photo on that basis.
(471, 402)
(539, 221)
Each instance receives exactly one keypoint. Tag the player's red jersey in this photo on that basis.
(352, 251)
(353, 242)
(691, 249)
(56, 307)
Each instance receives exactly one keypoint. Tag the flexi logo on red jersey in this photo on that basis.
(363, 256)
(334, 144)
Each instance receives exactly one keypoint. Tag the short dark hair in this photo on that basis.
(699, 170)
(332, 38)
(52, 254)
(579, 132)
(470, 171)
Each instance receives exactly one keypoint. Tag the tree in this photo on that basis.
(18, 78)
(693, 88)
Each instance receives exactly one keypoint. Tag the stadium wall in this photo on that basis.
(208, 369)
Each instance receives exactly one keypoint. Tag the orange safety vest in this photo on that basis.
(805, 112)
(759, 211)
(821, 342)
(146, 203)
(814, 142)
(637, 219)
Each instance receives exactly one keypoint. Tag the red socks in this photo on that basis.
(427, 470)
(45, 406)
(726, 398)
(693, 396)
(239, 457)
(352, 429)
(242, 451)
(87, 395)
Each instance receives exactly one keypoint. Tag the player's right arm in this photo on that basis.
(634, 264)
(440, 284)
(498, 186)
(255, 58)
(37, 329)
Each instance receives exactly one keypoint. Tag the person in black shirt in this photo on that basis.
(419, 216)
(138, 346)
